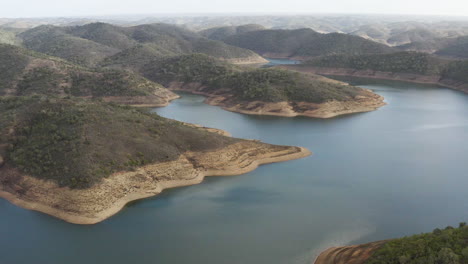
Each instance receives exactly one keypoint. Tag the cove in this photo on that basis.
(396, 171)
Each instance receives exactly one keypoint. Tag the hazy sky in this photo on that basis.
(41, 8)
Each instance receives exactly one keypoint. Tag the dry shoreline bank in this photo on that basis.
(366, 102)
(105, 199)
(356, 254)
(371, 74)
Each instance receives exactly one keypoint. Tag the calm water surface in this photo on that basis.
(274, 62)
(396, 171)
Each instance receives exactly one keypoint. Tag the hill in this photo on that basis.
(90, 44)
(7, 37)
(400, 62)
(24, 72)
(260, 91)
(447, 246)
(55, 41)
(83, 160)
(457, 48)
(403, 66)
(304, 43)
(221, 33)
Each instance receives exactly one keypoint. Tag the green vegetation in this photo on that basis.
(457, 70)
(221, 33)
(23, 72)
(12, 63)
(456, 49)
(268, 85)
(77, 142)
(401, 62)
(448, 246)
(136, 57)
(56, 42)
(7, 37)
(94, 43)
(187, 68)
(275, 85)
(305, 43)
(111, 83)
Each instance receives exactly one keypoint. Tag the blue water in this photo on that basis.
(273, 62)
(397, 171)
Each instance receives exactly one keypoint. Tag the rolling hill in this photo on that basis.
(405, 66)
(304, 43)
(221, 33)
(90, 44)
(259, 91)
(24, 72)
(83, 160)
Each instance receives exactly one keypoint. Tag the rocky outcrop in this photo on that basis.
(357, 254)
(106, 198)
(365, 102)
(406, 77)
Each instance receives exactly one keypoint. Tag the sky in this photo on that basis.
(54, 8)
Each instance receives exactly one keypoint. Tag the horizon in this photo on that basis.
(107, 8)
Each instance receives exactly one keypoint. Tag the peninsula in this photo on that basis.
(83, 160)
(260, 91)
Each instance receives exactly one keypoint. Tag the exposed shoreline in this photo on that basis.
(371, 74)
(105, 199)
(363, 103)
(355, 254)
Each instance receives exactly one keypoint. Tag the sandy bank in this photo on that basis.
(357, 254)
(95, 204)
(365, 102)
(405, 77)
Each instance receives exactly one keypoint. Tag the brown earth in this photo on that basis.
(357, 254)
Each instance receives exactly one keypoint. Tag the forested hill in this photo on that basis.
(77, 142)
(304, 43)
(402, 62)
(90, 44)
(221, 33)
(25, 72)
(267, 85)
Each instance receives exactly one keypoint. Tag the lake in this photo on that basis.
(274, 62)
(397, 171)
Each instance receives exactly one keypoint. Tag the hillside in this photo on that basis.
(221, 33)
(259, 91)
(55, 41)
(83, 160)
(447, 246)
(24, 72)
(457, 48)
(90, 44)
(402, 62)
(7, 37)
(304, 43)
(402, 66)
